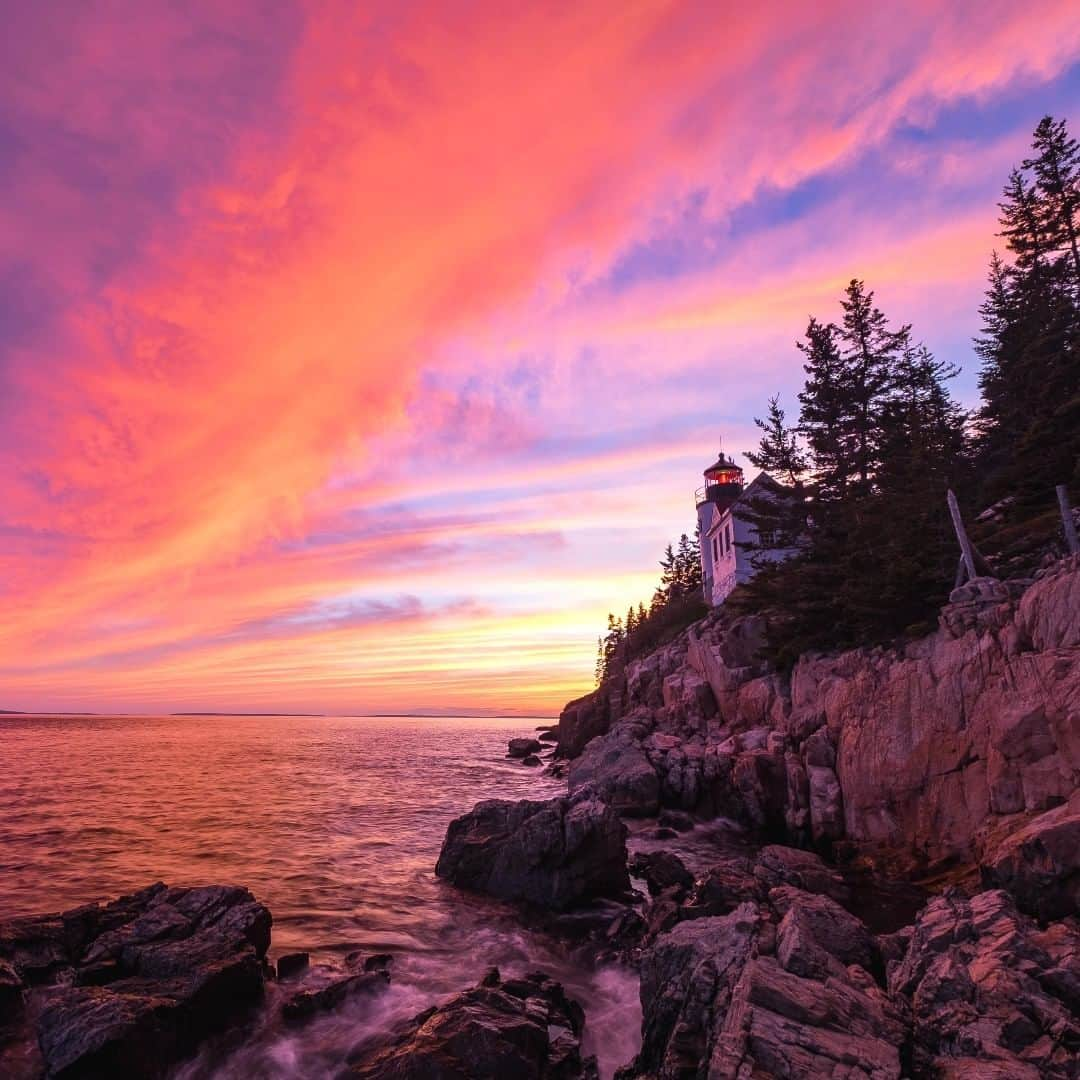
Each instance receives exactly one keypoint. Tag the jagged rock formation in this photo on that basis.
(127, 988)
(923, 756)
(555, 853)
(743, 995)
(990, 993)
(524, 1027)
(953, 758)
(795, 985)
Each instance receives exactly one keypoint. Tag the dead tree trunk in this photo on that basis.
(967, 552)
(1071, 541)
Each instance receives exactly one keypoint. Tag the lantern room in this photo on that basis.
(723, 483)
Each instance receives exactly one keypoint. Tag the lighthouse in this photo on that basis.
(723, 486)
(731, 548)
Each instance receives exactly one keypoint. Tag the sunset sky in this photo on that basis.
(361, 357)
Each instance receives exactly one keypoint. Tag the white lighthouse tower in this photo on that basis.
(716, 527)
(728, 533)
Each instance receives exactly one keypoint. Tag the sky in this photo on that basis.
(362, 357)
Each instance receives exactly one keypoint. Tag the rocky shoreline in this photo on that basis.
(891, 883)
(869, 868)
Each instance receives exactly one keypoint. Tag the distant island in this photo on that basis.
(218, 712)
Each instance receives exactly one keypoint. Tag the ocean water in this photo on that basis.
(334, 822)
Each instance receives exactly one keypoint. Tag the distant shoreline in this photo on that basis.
(312, 715)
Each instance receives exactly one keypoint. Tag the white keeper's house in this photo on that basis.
(726, 528)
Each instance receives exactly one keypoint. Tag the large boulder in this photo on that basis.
(777, 865)
(617, 768)
(1040, 863)
(816, 934)
(720, 889)
(688, 978)
(780, 1024)
(556, 853)
(991, 994)
(523, 1027)
(127, 988)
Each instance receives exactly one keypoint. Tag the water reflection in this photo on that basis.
(334, 822)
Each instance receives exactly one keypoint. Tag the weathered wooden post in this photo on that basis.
(1071, 540)
(961, 573)
(961, 535)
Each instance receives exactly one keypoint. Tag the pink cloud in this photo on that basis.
(257, 229)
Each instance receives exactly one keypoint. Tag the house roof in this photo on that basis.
(762, 484)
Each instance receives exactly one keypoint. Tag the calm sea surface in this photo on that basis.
(334, 822)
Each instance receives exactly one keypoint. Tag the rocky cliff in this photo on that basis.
(955, 752)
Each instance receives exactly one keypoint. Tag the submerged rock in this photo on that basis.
(127, 988)
(292, 964)
(555, 853)
(11, 992)
(661, 870)
(524, 1027)
(678, 820)
(306, 1004)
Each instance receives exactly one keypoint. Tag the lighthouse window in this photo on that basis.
(715, 552)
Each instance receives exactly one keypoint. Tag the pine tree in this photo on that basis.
(779, 451)
(870, 352)
(669, 574)
(823, 407)
(883, 440)
(1022, 223)
(1029, 425)
(693, 577)
(686, 559)
(613, 642)
(1056, 170)
(904, 529)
